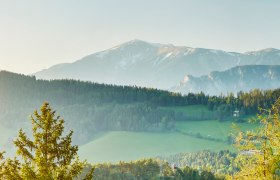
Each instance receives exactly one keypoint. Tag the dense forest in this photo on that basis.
(215, 162)
(90, 107)
(149, 169)
(189, 166)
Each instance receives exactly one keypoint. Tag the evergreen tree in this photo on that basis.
(259, 156)
(48, 156)
(1, 164)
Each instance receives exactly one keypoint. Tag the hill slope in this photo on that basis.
(87, 107)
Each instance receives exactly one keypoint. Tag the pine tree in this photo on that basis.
(1, 164)
(48, 156)
(259, 156)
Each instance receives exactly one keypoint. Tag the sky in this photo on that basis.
(35, 35)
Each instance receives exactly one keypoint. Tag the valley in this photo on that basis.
(118, 146)
(139, 90)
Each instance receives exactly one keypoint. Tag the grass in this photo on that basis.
(197, 112)
(192, 112)
(213, 128)
(125, 146)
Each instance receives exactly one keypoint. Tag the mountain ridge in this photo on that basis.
(239, 78)
(154, 65)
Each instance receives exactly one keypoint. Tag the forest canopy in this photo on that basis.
(91, 107)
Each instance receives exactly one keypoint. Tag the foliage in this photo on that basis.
(1, 164)
(48, 155)
(212, 130)
(148, 169)
(216, 162)
(259, 156)
(191, 112)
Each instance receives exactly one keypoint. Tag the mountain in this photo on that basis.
(154, 65)
(240, 78)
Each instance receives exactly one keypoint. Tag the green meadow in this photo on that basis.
(122, 145)
(125, 146)
(212, 128)
(192, 110)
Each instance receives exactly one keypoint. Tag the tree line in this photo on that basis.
(91, 107)
(215, 162)
(79, 92)
(150, 169)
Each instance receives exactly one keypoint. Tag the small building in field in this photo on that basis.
(236, 113)
(250, 152)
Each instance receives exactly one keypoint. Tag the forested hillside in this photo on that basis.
(90, 107)
(149, 169)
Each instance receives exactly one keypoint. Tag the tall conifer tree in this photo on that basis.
(49, 155)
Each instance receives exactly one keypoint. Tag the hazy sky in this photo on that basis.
(35, 34)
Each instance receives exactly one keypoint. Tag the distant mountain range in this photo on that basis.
(233, 80)
(160, 66)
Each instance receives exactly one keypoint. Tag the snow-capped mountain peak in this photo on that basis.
(155, 65)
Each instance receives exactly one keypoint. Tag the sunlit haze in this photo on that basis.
(38, 34)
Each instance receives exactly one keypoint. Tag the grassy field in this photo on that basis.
(213, 128)
(198, 119)
(197, 113)
(125, 146)
(116, 146)
(190, 110)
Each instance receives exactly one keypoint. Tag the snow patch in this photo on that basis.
(160, 60)
(189, 51)
(167, 55)
(129, 60)
(210, 77)
(240, 72)
(270, 72)
(185, 80)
